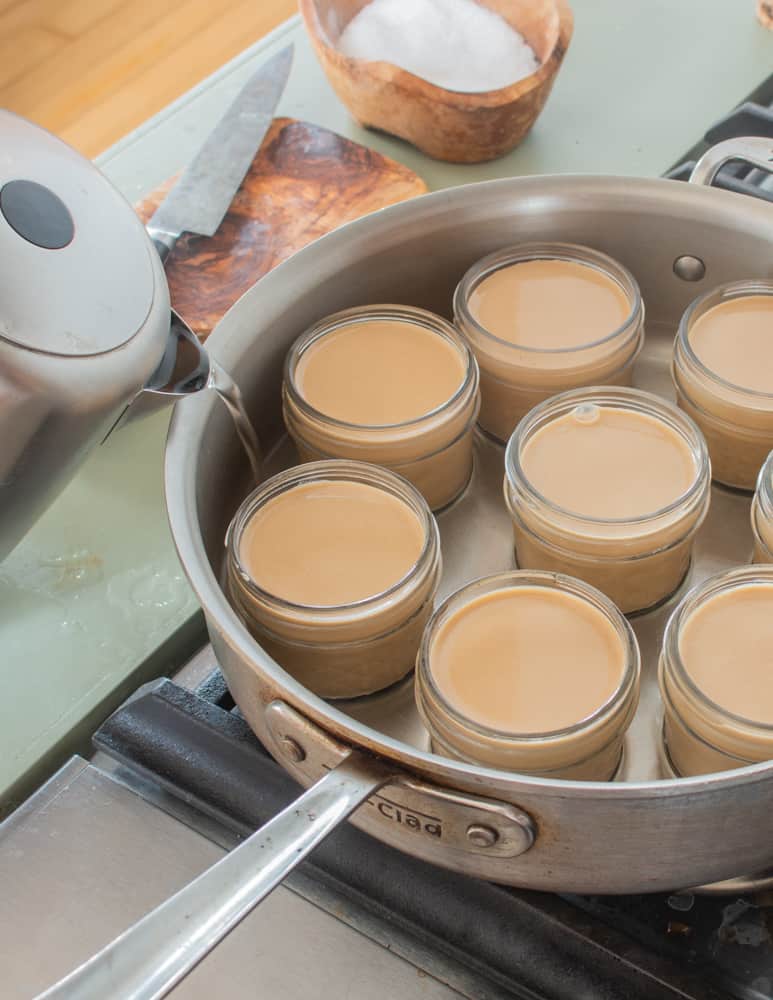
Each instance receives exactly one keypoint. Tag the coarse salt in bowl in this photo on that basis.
(454, 44)
(464, 84)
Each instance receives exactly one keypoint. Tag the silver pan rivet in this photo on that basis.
(292, 749)
(482, 836)
(689, 268)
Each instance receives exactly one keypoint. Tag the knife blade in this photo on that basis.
(200, 199)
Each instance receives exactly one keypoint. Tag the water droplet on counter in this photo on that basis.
(58, 576)
(70, 626)
(155, 591)
(72, 570)
(149, 596)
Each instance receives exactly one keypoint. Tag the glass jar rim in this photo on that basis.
(723, 293)
(385, 312)
(759, 541)
(522, 253)
(764, 488)
(621, 397)
(509, 580)
(720, 583)
(326, 471)
(762, 505)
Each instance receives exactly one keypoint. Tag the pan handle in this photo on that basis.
(151, 957)
(753, 149)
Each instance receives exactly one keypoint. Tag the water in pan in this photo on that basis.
(476, 538)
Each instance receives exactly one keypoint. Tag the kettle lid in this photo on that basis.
(76, 273)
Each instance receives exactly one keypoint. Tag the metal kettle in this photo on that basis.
(85, 319)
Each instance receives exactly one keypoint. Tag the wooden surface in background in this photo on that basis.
(92, 70)
(304, 182)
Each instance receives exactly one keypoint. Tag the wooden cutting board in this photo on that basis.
(304, 182)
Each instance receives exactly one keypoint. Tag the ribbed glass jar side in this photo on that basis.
(737, 422)
(339, 651)
(433, 451)
(514, 378)
(762, 514)
(702, 736)
(638, 562)
(588, 750)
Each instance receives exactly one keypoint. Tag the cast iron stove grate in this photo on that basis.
(754, 117)
(527, 944)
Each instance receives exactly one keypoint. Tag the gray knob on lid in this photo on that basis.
(36, 214)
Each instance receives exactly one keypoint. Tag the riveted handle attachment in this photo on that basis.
(439, 823)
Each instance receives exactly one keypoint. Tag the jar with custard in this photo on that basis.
(608, 485)
(762, 514)
(388, 384)
(543, 318)
(715, 677)
(723, 373)
(333, 567)
(531, 672)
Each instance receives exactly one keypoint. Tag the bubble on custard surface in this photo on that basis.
(586, 413)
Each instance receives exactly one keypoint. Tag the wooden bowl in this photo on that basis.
(449, 125)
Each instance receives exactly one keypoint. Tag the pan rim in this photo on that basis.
(190, 418)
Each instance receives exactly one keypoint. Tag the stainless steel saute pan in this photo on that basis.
(635, 834)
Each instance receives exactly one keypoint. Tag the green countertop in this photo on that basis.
(94, 600)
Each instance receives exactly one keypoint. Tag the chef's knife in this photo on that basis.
(200, 198)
